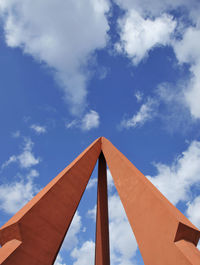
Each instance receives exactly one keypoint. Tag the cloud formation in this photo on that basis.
(38, 129)
(85, 254)
(123, 245)
(144, 27)
(64, 42)
(187, 51)
(16, 194)
(146, 112)
(26, 158)
(90, 120)
(139, 35)
(175, 181)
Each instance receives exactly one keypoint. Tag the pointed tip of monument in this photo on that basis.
(102, 138)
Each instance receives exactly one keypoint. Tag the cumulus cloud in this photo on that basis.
(26, 158)
(123, 245)
(38, 129)
(144, 27)
(61, 34)
(146, 112)
(85, 254)
(90, 120)
(16, 194)
(175, 181)
(156, 7)
(187, 51)
(139, 35)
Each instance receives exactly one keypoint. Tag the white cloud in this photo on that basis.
(123, 245)
(175, 181)
(193, 211)
(92, 213)
(139, 96)
(85, 254)
(61, 34)
(16, 194)
(71, 238)
(90, 120)
(146, 112)
(72, 124)
(139, 35)
(11, 159)
(59, 260)
(145, 26)
(26, 159)
(156, 7)
(169, 93)
(187, 51)
(38, 129)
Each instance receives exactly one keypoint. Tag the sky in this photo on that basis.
(72, 71)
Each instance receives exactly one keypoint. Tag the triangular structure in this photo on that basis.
(35, 234)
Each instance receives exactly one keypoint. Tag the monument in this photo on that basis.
(34, 235)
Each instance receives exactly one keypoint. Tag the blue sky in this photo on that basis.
(72, 71)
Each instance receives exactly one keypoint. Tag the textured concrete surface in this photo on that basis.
(157, 224)
(41, 225)
(34, 235)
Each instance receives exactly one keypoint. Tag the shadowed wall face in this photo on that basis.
(34, 235)
(102, 252)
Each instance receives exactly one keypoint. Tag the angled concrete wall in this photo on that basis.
(34, 235)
